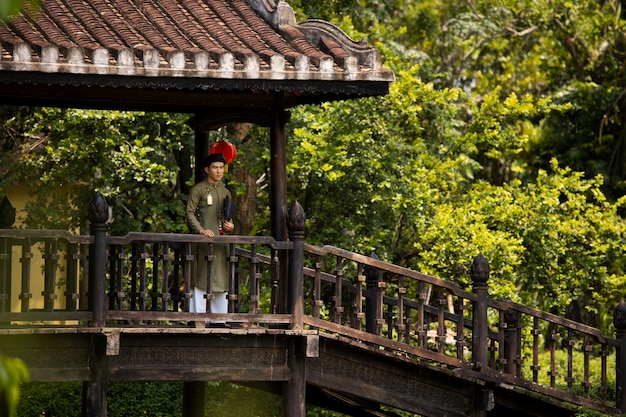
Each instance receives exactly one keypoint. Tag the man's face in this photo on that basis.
(215, 172)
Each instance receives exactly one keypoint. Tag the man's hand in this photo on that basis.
(228, 226)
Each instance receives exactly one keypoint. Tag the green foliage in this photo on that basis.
(13, 373)
(10, 8)
(154, 399)
(132, 158)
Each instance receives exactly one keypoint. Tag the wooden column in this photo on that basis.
(193, 399)
(480, 274)
(278, 195)
(98, 216)
(201, 144)
(95, 390)
(512, 346)
(294, 390)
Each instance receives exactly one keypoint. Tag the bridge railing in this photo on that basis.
(145, 278)
(436, 320)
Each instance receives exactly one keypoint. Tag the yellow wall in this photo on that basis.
(18, 196)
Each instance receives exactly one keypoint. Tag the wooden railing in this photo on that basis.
(145, 278)
(436, 320)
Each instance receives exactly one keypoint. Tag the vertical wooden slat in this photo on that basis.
(253, 296)
(51, 257)
(317, 287)
(337, 298)
(27, 255)
(143, 276)
(536, 333)
(166, 258)
(71, 268)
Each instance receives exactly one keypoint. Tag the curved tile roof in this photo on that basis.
(209, 45)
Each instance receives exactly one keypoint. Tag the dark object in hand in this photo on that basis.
(229, 209)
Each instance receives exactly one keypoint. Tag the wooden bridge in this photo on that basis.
(349, 332)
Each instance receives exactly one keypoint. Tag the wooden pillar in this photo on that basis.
(296, 221)
(294, 390)
(193, 399)
(194, 391)
(512, 346)
(201, 145)
(479, 273)
(373, 309)
(619, 320)
(98, 216)
(278, 195)
(95, 390)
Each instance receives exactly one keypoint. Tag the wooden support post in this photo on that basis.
(193, 399)
(296, 224)
(98, 216)
(619, 320)
(511, 347)
(278, 195)
(95, 390)
(372, 277)
(480, 274)
(294, 390)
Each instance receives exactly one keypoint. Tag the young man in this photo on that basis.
(205, 216)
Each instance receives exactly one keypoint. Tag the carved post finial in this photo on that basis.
(479, 271)
(98, 209)
(296, 218)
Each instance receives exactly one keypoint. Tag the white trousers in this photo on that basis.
(197, 304)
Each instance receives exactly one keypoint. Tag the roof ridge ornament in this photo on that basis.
(276, 13)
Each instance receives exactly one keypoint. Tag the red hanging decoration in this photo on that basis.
(225, 148)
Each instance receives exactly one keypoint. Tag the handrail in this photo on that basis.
(147, 278)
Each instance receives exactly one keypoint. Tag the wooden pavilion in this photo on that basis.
(342, 330)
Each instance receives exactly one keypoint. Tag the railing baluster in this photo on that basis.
(553, 373)
(166, 258)
(460, 329)
(536, 333)
(233, 280)
(155, 276)
(359, 314)
(120, 294)
(275, 272)
(27, 255)
(71, 288)
(317, 287)
(188, 268)
(587, 348)
(209, 258)
(51, 257)
(570, 376)
(143, 276)
(441, 325)
(400, 326)
(112, 275)
(134, 276)
(337, 298)
(5, 275)
(254, 277)
(421, 320)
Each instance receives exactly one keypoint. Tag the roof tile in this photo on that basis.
(201, 38)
